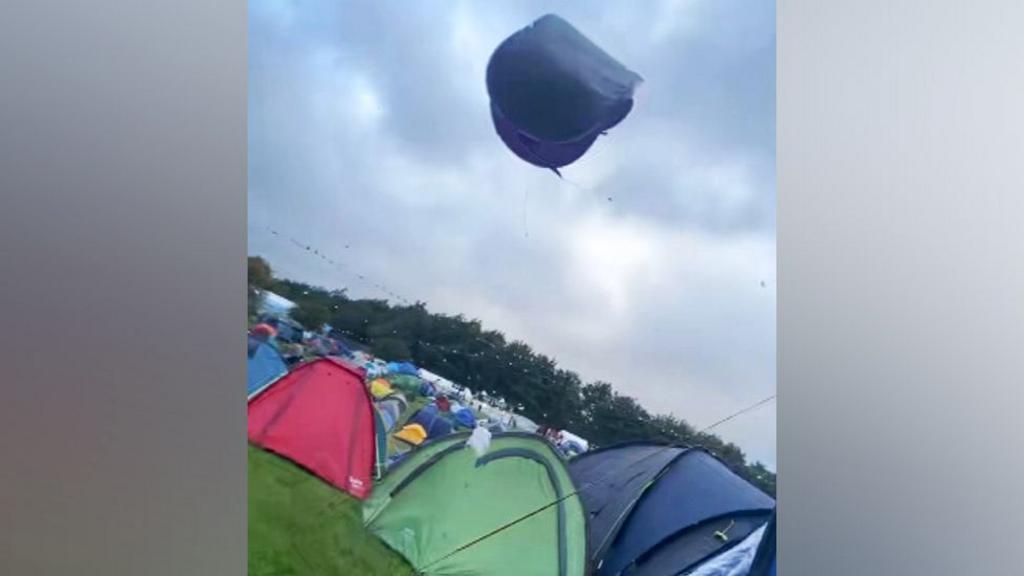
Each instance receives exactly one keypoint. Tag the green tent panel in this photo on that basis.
(408, 384)
(512, 511)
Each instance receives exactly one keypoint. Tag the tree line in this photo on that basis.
(461, 350)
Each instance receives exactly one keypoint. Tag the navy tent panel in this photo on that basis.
(465, 418)
(764, 561)
(430, 418)
(553, 92)
(655, 509)
(265, 365)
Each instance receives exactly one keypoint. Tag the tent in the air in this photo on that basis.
(511, 511)
(661, 510)
(319, 416)
(265, 365)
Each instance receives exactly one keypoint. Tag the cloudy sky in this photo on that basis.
(370, 139)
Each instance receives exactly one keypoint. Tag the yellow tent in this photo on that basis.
(413, 434)
(380, 388)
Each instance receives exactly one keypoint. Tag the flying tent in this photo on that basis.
(662, 510)
(553, 92)
(319, 416)
(512, 511)
(265, 365)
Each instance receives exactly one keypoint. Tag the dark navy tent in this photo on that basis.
(553, 92)
(264, 367)
(765, 561)
(663, 510)
(433, 423)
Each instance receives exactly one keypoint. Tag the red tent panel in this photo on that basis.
(320, 416)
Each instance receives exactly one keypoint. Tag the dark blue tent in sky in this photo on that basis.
(264, 367)
(663, 510)
(553, 92)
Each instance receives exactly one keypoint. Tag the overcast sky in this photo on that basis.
(370, 139)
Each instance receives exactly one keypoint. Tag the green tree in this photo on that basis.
(462, 351)
(260, 274)
(311, 315)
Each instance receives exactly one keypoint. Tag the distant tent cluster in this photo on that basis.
(520, 507)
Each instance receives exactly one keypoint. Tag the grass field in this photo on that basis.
(301, 526)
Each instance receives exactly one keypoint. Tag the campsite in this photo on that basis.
(360, 464)
(594, 253)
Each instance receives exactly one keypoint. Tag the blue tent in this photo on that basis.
(430, 418)
(661, 509)
(407, 368)
(264, 367)
(764, 562)
(464, 417)
(428, 389)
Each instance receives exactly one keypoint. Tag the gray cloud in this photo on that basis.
(368, 128)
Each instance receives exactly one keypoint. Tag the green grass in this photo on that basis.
(301, 526)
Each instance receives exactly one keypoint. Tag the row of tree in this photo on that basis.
(462, 351)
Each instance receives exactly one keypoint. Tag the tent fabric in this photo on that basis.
(264, 366)
(397, 397)
(320, 416)
(408, 368)
(430, 418)
(465, 418)
(407, 384)
(655, 506)
(734, 562)
(516, 505)
(553, 92)
(388, 418)
(428, 389)
(391, 410)
(380, 431)
(380, 388)
(764, 561)
(412, 433)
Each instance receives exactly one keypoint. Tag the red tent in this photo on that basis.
(321, 417)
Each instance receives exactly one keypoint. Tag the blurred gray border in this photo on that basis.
(901, 258)
(122, 234)
(901, 292)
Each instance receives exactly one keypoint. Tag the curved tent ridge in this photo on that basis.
(513, 510)
(654, 506)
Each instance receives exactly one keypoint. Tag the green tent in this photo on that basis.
(406, 383)
(512, 511)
